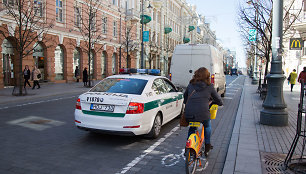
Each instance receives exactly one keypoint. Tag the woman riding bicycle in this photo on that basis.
(201, 91)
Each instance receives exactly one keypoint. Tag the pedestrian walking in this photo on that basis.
(85, 76)
(77, 73)
(26, 76)
(302, 76)
(199, 93)
(36, 75)
(292, 78)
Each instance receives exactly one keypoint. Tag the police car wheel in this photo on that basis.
(156, 127)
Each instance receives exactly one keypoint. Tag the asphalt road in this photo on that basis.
(40, 137)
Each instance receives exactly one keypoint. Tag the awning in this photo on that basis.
(168, 30)
(190, 28)
(146, 19)
(186, 40)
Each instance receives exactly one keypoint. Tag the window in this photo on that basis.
(104, 25)
(59, 11)
(159, 86)
(9, 2)
(169, 86)
(114, 60)
(115, 2)
(38, 8)
(93, 21)
(121, 85)
(115, 29)
(77, 16)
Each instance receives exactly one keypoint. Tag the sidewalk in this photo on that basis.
(255, 148)
(47, 89)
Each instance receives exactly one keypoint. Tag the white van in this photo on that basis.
(187, 58)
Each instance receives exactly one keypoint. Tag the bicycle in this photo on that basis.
(195, 143)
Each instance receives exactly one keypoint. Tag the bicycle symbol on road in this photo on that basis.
(173, 159)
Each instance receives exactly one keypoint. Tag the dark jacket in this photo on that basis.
(76, 72)
(302, 76)
(26, 74)
(197, 107)
(85, 76)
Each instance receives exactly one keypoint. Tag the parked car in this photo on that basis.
(129, 104)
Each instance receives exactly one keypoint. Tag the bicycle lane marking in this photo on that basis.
(233, 81)
(148, 151)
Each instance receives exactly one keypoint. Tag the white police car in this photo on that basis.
(129, 104)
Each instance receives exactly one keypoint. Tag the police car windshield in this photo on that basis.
(121, 85)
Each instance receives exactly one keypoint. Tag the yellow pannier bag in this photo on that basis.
(213, 111)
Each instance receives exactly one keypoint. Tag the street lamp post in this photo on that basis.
(255, 66)
(142, 49)
(274, 112)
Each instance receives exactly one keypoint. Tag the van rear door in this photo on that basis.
(201, 57)
(181, 63)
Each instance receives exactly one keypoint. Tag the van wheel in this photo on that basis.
(155, 130)
(222, 95)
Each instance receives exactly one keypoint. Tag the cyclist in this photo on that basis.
(201, 91)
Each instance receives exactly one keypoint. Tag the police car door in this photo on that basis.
(175, 107)
(164, 97)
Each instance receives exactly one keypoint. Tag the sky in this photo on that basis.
(222, 16)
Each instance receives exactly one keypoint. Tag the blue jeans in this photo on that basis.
(207, 131)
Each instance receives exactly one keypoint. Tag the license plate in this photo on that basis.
(99, 107)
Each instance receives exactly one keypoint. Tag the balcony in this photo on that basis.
(300, 24)
(132, 14)
(157, 3)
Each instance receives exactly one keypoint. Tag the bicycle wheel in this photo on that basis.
(191, 161)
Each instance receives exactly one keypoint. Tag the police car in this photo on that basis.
(129, 104)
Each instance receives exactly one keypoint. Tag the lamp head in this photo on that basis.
(149, 6)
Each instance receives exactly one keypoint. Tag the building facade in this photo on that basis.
(295, 59)
(115, 27)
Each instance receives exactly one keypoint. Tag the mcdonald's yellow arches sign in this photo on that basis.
(296, 44)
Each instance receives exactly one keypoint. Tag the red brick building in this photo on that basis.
(62, 46)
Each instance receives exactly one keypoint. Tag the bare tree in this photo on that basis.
(29, 25)
(258, 15)
(128, 41)
(90, 26)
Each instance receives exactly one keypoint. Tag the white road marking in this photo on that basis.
(234, 90)
(32, 103)
(147, 151)
(230, 93)
(172, 159)
(233, 81)
(36, 123)
(229, 98)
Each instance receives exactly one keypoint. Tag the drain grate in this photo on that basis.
(273, 163)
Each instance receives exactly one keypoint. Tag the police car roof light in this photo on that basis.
(124, 70)
(154, 71)
(139, 71)
(142, 71)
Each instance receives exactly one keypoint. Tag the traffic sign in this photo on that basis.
(252, 35)
(146, 36)
(296, 44)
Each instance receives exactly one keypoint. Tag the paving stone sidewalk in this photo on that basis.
(252, 142)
